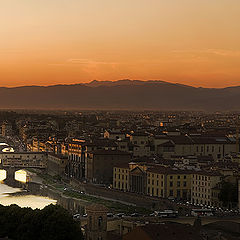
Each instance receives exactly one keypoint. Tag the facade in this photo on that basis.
(153, 180)
(6, 129)
(100, 163)
(79, 151)
(121, 177)
(140, 143)
(56, 164)
(204, 187)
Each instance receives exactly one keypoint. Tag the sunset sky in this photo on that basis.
(45, 42)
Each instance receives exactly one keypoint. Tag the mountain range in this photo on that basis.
(122, 94)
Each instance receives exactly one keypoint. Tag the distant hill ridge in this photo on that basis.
(123, 94)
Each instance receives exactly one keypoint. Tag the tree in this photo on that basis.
(52, 223)
(229, 194)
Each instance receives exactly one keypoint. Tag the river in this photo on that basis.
(7, 196)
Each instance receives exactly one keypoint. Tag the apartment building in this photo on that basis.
(203, 185)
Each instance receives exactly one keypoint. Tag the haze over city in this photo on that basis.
(69, 41)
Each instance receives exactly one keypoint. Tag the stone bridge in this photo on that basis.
(12, 162)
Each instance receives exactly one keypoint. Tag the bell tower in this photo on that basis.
(96, 228)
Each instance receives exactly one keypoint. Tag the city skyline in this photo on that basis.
(69, 42)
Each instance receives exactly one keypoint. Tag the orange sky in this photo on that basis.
(194, 42)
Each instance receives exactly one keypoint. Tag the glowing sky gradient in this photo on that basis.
(194, 42)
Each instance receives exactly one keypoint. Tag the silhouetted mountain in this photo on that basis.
(123, 94)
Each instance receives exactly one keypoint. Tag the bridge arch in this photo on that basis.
(12, 174)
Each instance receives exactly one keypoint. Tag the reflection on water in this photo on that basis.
(21, 200)
(21, 176)
(3, 175)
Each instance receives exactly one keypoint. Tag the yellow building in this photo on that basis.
(169, 183)
(153, 180)
(121, 177)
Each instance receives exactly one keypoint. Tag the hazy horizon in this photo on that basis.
(114, 81)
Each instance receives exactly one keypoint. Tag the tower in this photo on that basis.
(96, 228)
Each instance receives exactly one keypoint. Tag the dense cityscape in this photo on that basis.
(121, 174)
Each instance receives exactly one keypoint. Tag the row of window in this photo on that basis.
(202, 183)
(157, 182)
(120, 170)
(203, 178)
(119, 176)
(171, 176)
(152, 192)
(201, 195)
(171, 184)
(198, 189)
(120, 186)
(207, 149)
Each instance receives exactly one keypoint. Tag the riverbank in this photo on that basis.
(73, 199)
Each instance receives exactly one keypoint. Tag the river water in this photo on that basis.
(32, 201)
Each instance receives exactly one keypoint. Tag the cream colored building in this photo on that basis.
(203, 184)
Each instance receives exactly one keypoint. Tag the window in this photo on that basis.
(171, 177)
(152, 182)
(178, 193)
(184, 177)
(178, 184)
(171, 193)
(171, 184)
(100, 221)
(184, 183)
(90, 223)
(178, 177)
